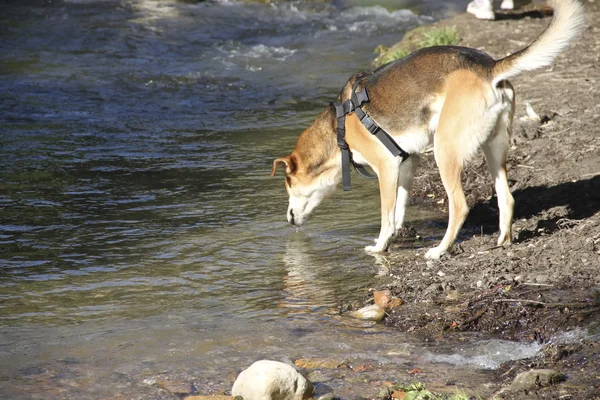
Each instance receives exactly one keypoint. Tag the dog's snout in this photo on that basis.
(292, 217)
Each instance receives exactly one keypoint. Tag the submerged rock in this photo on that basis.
(313, 363)
(369, 313)
(176, 387)
(272, 380)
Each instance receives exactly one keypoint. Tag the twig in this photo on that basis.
(474, 318)
(519, 301)
(510, 370)
(536, 284)
(541, 303)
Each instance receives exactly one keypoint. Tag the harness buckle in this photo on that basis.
(369, 124)
(360, 97)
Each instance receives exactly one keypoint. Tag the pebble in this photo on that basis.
(382, 298)
(369, 313)
(452, 295)
(385, 299)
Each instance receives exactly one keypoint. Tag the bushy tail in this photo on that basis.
(568, 22)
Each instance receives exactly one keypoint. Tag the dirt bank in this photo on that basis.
(548, 281)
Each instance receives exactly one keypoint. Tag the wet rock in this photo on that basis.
(327, 396)
(535, 378)
(318, 376)
(363, 367)
(323, 392)
(369, 313)
(272, 380)
(216, 397)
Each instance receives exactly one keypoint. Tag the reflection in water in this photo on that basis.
(311, 280)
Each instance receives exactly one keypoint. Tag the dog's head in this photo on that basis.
(313, 170)
(306, 186)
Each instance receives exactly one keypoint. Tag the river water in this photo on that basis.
(140, 231)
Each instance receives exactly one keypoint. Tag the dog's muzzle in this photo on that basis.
(291, 217)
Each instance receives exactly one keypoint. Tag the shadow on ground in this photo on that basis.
(556, 207)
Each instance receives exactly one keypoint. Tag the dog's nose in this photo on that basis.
(292, 217)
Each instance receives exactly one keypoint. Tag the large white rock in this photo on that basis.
(272, 380)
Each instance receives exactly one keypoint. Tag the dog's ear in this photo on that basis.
(284, 162)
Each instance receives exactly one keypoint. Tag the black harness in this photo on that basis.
(354, 105)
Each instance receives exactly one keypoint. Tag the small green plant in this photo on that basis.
(394, 55)
(440, 37)
(417, 39)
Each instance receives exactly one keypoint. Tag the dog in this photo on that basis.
(457, 98)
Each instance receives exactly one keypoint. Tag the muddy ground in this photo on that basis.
(548, 280)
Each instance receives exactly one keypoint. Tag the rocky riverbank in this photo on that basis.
(548, 282)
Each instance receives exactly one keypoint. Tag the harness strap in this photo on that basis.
(354, 105)
(380, 134)
(341, 141)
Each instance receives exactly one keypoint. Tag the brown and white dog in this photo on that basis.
(457, 98)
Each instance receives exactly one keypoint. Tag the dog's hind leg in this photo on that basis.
(468, 118)
(496, 151)
(450, 163)
(406, 175)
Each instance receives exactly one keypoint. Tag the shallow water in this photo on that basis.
(140, 231)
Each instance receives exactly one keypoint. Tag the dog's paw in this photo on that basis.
(374, 249)
(504, 240)
(435, 253)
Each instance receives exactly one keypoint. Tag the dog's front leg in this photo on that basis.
(406, 175)
(388, 181)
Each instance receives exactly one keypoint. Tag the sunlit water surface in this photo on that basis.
(140, 231)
